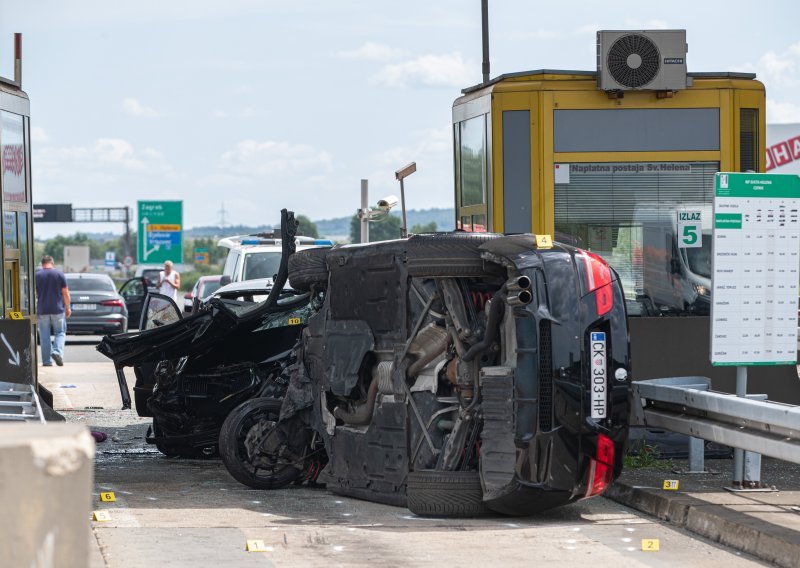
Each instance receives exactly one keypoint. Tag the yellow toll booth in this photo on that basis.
(549, 151)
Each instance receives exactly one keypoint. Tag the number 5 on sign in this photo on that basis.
(690, 229)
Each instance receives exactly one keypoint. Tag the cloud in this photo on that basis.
(781, 112)
(109, 154)
(430, 142)
(588, 29)
(777, 68)
(252, 158)
(133, 107)
(38, 134)
(371, 51)
(446, 70)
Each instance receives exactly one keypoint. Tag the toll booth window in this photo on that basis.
(12, 156)
(473, 161)
(652, 222)
(10, 230)
(748, 140)
(24, 264)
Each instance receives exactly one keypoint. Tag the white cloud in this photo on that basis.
(431, 142)
(781, 112)
(133, 107)
(112, 154)
(372, 52)
(252, 158)
(38, 134)
(446, 70)
(588, 29)
(777, 68)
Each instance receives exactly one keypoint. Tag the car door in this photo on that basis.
(134, 292)
(157, 310)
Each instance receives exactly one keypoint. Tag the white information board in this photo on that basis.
(755, 269)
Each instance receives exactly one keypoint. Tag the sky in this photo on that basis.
(260, 105)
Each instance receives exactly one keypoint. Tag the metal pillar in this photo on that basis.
(404, 228)
(362, 213)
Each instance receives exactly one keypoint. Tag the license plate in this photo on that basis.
(598, 374)
(82, 307)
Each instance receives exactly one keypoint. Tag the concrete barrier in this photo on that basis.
(45, 495)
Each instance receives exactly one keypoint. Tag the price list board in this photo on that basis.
(755, 269)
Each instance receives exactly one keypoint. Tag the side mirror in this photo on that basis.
(224, 281)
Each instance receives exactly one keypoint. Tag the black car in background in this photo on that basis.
(96, 305)
(449, 372)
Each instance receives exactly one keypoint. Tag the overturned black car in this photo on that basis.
(451, 372)
(192, 371)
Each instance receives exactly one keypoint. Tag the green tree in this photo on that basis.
(306, 227)
(388, 228)
(55, 246)
(426, 228)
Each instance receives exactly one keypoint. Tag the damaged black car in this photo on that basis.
(192, 371)
(453, 373)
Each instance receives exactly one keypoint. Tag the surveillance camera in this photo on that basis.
(387, 203)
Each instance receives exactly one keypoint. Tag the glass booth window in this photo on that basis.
(24, 264)
(748, 140)
(12, 156)
(473, 161)
(628, 214)
(10, 230)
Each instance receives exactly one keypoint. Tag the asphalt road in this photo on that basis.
(173, 512)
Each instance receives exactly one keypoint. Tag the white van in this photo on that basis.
(258, 256)
(675, 279)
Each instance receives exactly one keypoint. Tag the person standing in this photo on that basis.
(169, 281)
(53, 310)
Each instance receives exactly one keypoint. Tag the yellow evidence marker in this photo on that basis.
(108, 497)
(101, 516)
(16, 315)
(295, 321)
(650, 544)
(671, 484)
(256, 546)
(544, 241)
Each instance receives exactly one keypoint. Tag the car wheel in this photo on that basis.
(445, 493)
(172, 450)
(253, 425)
(307, 268)
(447, 254)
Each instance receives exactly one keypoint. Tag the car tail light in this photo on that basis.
(598, 280)
(113, 303)
(601, 469)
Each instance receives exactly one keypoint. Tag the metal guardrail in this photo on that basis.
(687, 406)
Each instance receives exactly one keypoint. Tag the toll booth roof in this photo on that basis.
(567, 74)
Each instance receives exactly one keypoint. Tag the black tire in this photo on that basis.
(448, 254)
(239, 423)
(307, 268)
(445, 493)
(172, 450)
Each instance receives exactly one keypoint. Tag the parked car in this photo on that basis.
(252, 257)
(192, 370)
(203, 288)
(96, 305)
(450, 372)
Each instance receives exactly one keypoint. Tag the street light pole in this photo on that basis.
(400, 175)
(363, 212)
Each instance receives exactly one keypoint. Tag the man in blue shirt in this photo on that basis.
(53, 310)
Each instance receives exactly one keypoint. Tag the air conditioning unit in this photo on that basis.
(651, 60)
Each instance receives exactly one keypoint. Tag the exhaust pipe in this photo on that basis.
(518, 283)
(520, 298)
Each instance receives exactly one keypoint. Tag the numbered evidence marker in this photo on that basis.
(257, 546)
(650, 544)
(295, 321)
(108, 497)
(101, 516)
(671, 484)
(16, 315)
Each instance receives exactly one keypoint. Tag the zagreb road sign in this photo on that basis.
(160, 236)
